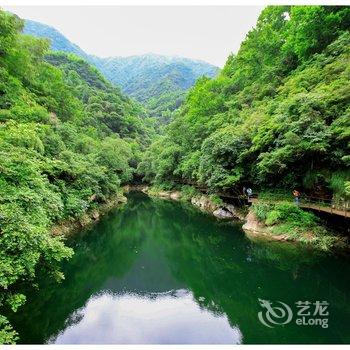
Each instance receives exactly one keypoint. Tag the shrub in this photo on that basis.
(216, 199)
(188, 192)
(261, 210)
(273, 217)
(297, 224)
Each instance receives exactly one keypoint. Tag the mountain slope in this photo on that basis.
(68, 140)
(159, 82)
(275, 119)
(277, 116)
(58, 41)
(129, 72)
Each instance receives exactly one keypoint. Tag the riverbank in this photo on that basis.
(68, 227)
(282, 222)
(211, 204)
(286, 222)
(153, 246)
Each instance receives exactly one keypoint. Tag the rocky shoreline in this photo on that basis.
(252, 226)
(89, 218)
(255, 228)
(223, 211)
(220, 211)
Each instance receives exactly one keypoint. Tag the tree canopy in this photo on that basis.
(276, 116)
(68, 140)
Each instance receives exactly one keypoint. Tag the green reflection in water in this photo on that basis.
(161, 272)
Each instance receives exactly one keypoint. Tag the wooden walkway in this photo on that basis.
(314, 206)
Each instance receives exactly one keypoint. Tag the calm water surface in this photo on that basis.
(160, 272)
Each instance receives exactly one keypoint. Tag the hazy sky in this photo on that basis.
(206, 32)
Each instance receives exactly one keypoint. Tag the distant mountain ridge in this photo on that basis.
(58, 41)
(146, 76)
(126, 71)
(159, 82)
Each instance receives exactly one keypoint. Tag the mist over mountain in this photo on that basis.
(159, 82)
(58, 41)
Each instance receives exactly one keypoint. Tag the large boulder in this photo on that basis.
(222, 213)
(235, 213)
(255, 229)
(121, 199)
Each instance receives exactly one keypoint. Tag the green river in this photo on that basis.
(161, 272)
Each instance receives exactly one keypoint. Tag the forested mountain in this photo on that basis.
(68, 140)
(158, 82)
(277, 116)
(58, 41)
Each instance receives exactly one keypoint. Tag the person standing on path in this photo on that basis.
(296, 195)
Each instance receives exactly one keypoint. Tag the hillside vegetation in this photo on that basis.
(68, 140)
(277, 116)
(158, 82)
(58, 42)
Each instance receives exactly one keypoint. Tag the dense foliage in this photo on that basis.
(290, 221)
(68, 139)
(159, 82)
(278, 115)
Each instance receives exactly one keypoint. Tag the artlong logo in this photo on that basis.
(274, 315)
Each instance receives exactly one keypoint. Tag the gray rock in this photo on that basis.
(230, 208)
(221, 213)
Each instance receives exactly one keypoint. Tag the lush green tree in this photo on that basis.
(68, 140)
(276, 116)
(312, 28)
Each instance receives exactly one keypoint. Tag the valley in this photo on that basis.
(156, 162)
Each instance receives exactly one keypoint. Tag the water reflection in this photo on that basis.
(166, 318)
(131, 260)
